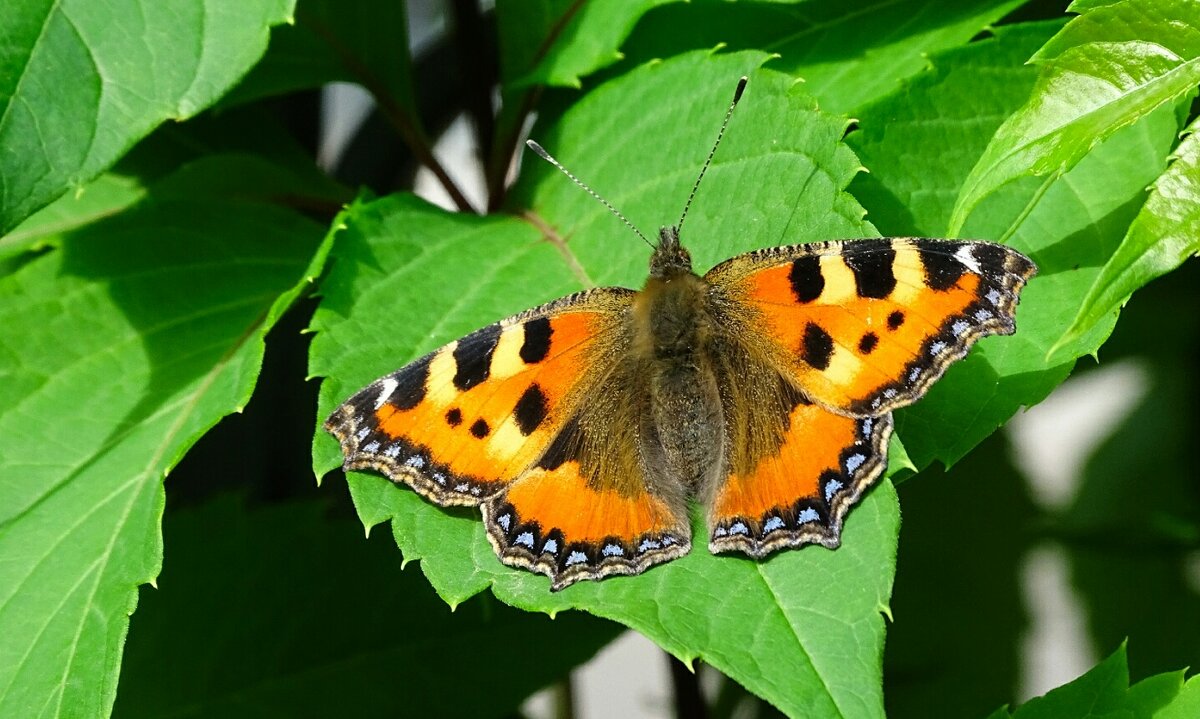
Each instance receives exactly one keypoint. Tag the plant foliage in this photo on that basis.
(169, 232)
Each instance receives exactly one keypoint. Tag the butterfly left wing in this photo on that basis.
(525, 419)
(825, 340)
(866, 326)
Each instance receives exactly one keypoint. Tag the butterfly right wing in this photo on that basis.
(532, 419)
(829, 338)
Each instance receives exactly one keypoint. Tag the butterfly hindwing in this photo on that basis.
(866, 326)
(800, 493)
(792, 468)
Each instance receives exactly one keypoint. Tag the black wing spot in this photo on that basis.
(410, 384)
(473, 357)
(480, 429)
(895, 320)
(537, 340)
(564, 448)
(867, 344)
(806, 278)
(992, 259)
(817, 348)
(530, 409)
(942, 268)
(871, 261)
(454, 417)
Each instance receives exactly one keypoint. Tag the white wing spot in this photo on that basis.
(867, 425)
(993, 297)
(854, 461)
(772, 524)
(393, 450)
(960, 327)
(808, 515)
(739, 528)
(505, 521)
(937, 347)
(416, 461)
(550, 547)
(967, 257)
(613, 550)
(461, 487)
(372, 447)
(362, 433)
(983, 315)
(387, 386)
(439, 478)
(576, 558)
(524, 539)
(890, 392)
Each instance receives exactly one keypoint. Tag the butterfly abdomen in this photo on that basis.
(673, 335)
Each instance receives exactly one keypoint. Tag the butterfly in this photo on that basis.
(762, 390)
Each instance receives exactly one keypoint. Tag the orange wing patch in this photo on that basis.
(865, 327)
(552, 520)
(462, 422)
(801, 494)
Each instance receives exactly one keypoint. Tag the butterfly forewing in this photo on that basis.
(864, 327)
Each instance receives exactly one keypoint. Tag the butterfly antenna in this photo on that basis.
(737, 95)
(541, 151)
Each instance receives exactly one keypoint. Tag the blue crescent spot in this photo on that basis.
(831, 488)
(613, 550)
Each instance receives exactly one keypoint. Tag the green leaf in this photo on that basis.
(1165, 233)
(1103, 691)
(121, 347)
(361, 633)
(1107, 68)
(1185, 705)
(362, 41)
(108, 195)
(848, 54)
(557, 42)
(406, 278)
(921, 142)
(1069, 226)
(81, 82)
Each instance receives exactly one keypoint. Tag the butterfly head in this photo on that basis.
(670, 259)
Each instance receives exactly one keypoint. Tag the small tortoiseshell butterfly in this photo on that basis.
(762, 389)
